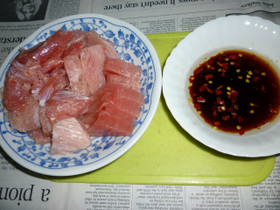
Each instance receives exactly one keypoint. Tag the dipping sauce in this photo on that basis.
(235, 91)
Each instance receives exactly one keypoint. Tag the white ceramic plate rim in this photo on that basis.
(233, 32)
(121, 150)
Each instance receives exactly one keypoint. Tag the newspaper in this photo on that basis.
(22, 189)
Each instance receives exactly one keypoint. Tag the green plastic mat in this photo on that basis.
(166, 154)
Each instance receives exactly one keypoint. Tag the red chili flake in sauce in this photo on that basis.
(241, 93)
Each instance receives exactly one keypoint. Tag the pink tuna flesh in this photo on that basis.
(120, 67)
(94, 38)
(76, 74)
(65, 104)
(69, 136)
(39, 136)
(92, 60)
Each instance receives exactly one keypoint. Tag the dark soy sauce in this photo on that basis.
(235, 91)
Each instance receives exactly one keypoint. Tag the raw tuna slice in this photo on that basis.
(107, 124)
(52, 64)
(121, 91)
(28, 118)
(53, 47)
(120, 67)
(45, 93)
(69, 136)
(39, 137)
(61, 80)
(92, 60)
(94, 38)
(111, 101)
(127, 82)
(123, 104)
(16, 90)
(65, 104)
(121, 123)
(20, 81)
(76, 75)
(24, 55)
(46, 124)
(110, 108)
(127, 105)
(33, 71)
(89, 117)
(76, 45)
(57, 81)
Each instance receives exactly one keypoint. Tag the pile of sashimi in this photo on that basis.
(70, 88)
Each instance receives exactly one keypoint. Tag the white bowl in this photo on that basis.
(234, 32)
(131, 45)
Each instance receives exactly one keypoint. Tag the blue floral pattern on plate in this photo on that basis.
(131, 47)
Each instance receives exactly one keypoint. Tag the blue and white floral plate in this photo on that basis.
(132, 46)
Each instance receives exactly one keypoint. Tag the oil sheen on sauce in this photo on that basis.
(235, 91)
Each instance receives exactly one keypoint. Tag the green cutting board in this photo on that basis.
(166, 154)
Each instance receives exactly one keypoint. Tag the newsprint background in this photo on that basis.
(21, 189)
